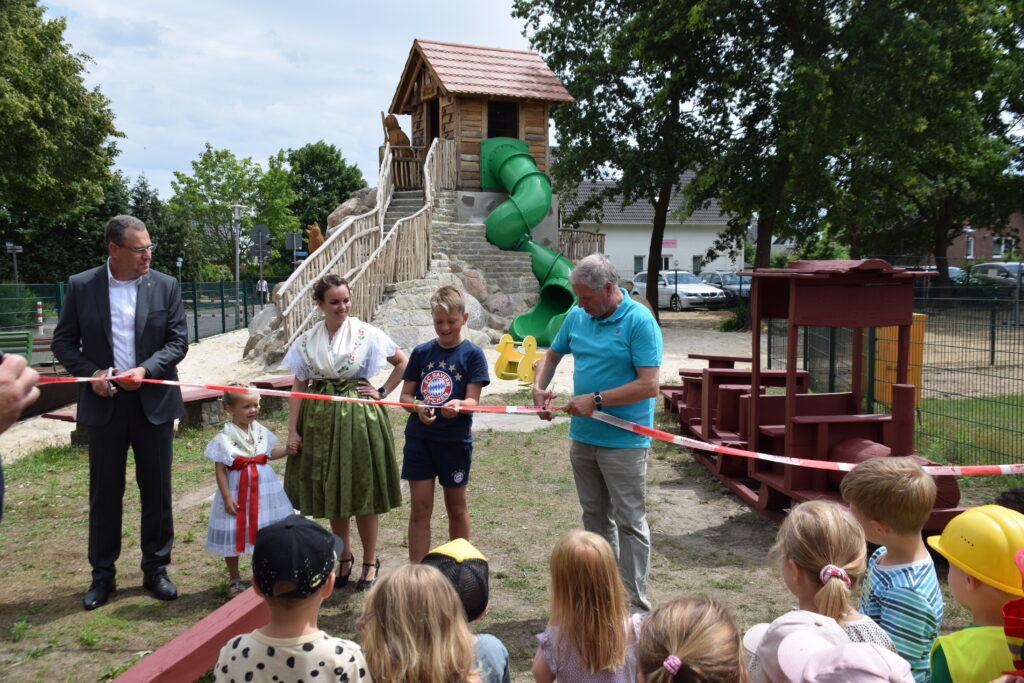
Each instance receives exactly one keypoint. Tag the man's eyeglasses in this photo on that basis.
(140, 250)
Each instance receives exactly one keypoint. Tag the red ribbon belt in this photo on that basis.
(248, 498)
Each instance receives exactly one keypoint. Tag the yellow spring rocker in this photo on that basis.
(514, 361)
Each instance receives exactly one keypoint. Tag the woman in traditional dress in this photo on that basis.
(345, 465)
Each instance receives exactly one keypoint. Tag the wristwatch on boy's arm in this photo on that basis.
(598, 401)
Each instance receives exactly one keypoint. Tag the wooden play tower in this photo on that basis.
(468, 94)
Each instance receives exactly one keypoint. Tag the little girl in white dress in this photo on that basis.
(249, 495)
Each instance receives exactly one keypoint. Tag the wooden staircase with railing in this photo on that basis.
(368, 250)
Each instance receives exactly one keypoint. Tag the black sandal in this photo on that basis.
(342, 579)
(364, 583)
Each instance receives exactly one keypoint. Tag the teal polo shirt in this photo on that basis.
(606, 354)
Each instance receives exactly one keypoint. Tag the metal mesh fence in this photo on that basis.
(210, 308)
(967, 358)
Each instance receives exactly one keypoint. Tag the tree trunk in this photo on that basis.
(763, 253)
(654, 253)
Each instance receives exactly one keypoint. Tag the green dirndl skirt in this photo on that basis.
(347, 464)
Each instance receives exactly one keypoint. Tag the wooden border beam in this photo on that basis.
(194, 652)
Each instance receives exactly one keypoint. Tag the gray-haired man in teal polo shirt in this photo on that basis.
(616, 347)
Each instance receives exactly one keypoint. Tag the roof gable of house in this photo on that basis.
(473, 70)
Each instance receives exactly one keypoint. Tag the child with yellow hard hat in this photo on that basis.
(980, 544)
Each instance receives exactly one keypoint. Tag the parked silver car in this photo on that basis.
(679, 290)
(734, 285)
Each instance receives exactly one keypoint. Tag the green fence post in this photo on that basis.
(992, 335)
(223, 313)
(195, 309)
(60, 297)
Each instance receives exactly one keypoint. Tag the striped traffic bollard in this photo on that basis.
(39, 316)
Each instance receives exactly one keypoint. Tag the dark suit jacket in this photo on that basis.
(82, 342)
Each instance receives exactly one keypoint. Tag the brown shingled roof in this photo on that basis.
(473, 70)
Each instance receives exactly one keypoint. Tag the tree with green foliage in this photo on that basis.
(872, 124)
(201, 205)
(939, 156)
(844, 120)
(147, 206)
(321, 180)
(56, 148)
(631, 123)
(58, 244)
(275, 195)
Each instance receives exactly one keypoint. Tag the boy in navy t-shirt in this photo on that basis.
(442, 375)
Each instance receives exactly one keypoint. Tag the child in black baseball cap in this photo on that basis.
(466, 568)
(293, 571)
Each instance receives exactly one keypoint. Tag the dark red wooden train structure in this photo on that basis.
(723, 404)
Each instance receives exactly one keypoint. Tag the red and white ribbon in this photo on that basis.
(936, 470)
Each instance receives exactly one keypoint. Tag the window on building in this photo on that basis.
(968, 247)
(502, 119)
(1003, 246)
(638, 264)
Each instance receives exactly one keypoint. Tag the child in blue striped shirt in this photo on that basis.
(892, 498)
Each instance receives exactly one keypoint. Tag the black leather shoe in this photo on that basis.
(98, 593)
(160, 586)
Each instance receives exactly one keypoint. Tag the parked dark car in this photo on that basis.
(1005, 276)
(734, 285)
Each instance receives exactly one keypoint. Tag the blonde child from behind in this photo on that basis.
(820, 552)
(413, 629)
(443, 374)
(892, 498)
(692, 640)
(590, 635)
(980, 544)
(293, 571)
(240, 452)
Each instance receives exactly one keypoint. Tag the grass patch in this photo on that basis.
(521, 497)
(971, 431)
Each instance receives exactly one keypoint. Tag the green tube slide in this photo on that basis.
(505, 163)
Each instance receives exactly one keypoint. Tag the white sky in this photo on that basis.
(258, 76)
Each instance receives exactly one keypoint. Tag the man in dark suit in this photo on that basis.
(123, 318)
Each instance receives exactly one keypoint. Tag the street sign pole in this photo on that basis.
(236, 224)
(15, 249)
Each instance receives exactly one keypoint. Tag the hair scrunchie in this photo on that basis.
(672, 664)
(830, 570)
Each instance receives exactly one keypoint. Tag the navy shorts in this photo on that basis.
(449, 461)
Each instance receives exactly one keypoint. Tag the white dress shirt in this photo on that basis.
(123, 296)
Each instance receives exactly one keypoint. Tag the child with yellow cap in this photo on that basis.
(980, 544)
(467, 569)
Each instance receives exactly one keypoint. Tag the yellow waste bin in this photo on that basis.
(886, 353)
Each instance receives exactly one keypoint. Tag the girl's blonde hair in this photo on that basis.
(816, 534)
(700, 634)
(588, 601)
(414, 628)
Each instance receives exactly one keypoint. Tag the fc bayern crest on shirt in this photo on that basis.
(436, 387)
